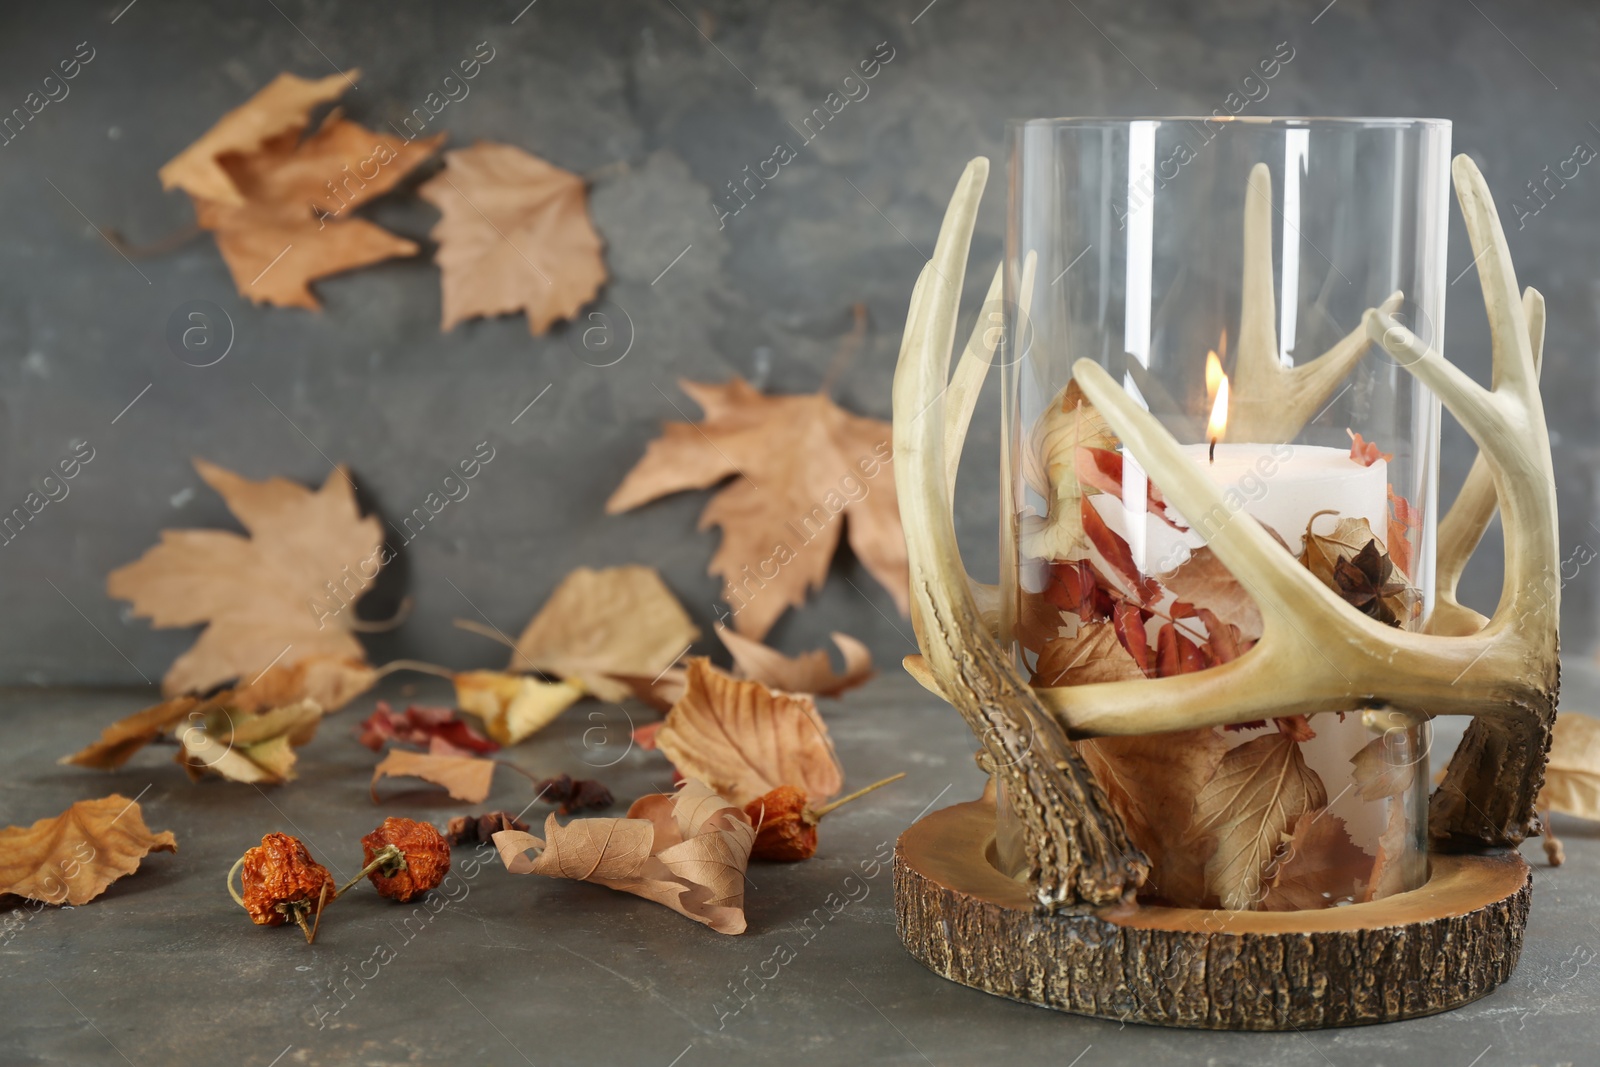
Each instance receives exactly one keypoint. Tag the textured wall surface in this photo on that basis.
(659, 104)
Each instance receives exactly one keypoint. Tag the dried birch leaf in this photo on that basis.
(801, 466)
(1095, 654)
(600, 623)
(1572, 777)
(283, 107)
(744, 739)
(1376, 775)
(1153, 781)
(514, 235)
(71, 858)
(463, 777)
(1050, 467)
(263, 597)
(297, 222)
(513, 707)
(688, 851)
(1318, 866)
(1260, 789)
(807, 673)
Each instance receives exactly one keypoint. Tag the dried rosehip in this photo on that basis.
(476, 829)
(421, 858)
(282, 883)
(786, 829)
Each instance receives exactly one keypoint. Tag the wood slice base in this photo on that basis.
(1418, 953)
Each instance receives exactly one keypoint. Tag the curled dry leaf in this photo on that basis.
(463, 777)
(71, 858)
(1572, 777)
(807, 673)
(1392, 868)
(1260, 789)
(688, 851)
(248, 748)
(1351, 561)
(257, 595)
(600, 623)
(1153, 782)
(744, 739)
(119, 741)
(801, 466)
(513, 707)
(1050, 467)
(1317, 867)
(514, 235)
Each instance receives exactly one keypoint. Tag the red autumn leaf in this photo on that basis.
(1403, 519)
(1075, 588)
(1101, 468)
(1129, 622)
(1182, 609)
(423, 726)
(645, 736)
(1224, 642)
(1365, 452)
(1118, 556)
(1176, 653)
(1295, 727)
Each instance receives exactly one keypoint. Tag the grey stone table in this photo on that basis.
(165, 970)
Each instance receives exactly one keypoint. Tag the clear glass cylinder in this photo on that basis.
(1220, 269)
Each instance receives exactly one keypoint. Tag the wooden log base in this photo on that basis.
(1418, 953)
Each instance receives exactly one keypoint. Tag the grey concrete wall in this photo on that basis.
(662, 105)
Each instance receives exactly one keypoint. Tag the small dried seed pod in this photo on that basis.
(424, 863)
(786, 830)
(281, 882)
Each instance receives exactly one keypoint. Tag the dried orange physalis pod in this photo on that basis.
(405, 858)
(281, 882)
(786, 828)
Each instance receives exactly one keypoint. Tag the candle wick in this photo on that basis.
(1213, 450)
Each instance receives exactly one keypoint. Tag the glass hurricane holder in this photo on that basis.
(1220, 270)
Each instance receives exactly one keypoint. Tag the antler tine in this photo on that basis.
(961, 396)
(1508, 326)
(1257, 352)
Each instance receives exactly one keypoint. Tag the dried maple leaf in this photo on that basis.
(282, 107)
(1572, 777)
(463, 777)
(260, 594)
(1318, 866)
(1260, 789)
(1050, 468)
(514, 235)
(419, 725)
(600, 623)
(513, 707)
(801, 466)
(1152, 781)
(687, 851)
(744, 739)
(71, 858)
(255, 748)
(807, 673)
(1094, 654)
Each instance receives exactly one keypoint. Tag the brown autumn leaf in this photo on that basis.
(282, 107)
(463, 777)
(601, 623)
(807, 673)
(1318, 866)
(254, 748)
(1395, 857)
(801, 466)
(1153, 781)
(513, 707)
(1260, 789)
(1572, 777)
(119, 741)
(297, 222)
(1379, 771)
(265, 598)
(1351, 561)
(71, 858)
(514, 235)
(1050, 466)
(659, 692)
(1203, 580)
(688, 851)
(743, 739)
(1094, 654)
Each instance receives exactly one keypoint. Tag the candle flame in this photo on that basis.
(1214, 373)
(1219, 411)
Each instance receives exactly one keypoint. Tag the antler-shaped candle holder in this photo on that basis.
(1041, 895)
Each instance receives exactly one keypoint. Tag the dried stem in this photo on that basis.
(818, 813)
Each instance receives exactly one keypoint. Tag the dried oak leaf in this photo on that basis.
(807, 673)
(1260, 789)
(1094, 654)
(801, 466)
(255, 748)
(514, 235)
(513, 707)
(602, 623)
(71, 858)
(424, 726)
(688, 851)
(1153, 782)
(1572, 777)
(282, 107)
(258, 595)
(1050, 468)
(463, 777)
(1318, 866)
(744, 739)
(296, 222)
